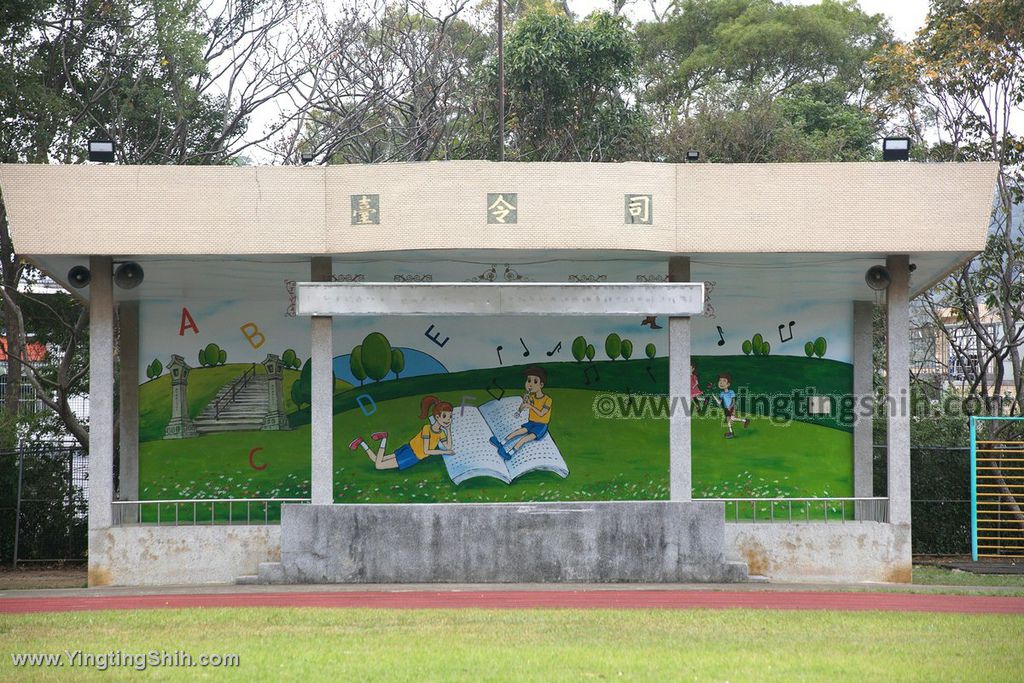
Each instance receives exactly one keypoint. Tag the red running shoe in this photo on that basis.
(380, 436)
(355, 443)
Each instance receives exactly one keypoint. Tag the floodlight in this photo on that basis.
(79, 277)
(128, 275)
(895, 149)
(307, 157)
(878, 278)
(101, 150)
(692, 155)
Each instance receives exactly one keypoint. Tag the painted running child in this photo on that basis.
(539, 416)
(727, 399)
(435, 438)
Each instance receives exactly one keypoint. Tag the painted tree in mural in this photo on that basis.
(591, 352)
(612, 346)
(289, 359)
(376, 356)
(809, 349)
(651, 351)
(355, 364)
(747, 347)
(397, 362)
(154, 369)
(627, 349)
(579, 349)
(212, 355)
(820, 347)
(302, 388)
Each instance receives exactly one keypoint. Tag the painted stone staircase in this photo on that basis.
(245, 412)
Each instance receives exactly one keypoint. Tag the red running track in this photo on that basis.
(506, 599)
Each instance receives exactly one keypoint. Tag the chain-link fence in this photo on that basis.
(43, 504)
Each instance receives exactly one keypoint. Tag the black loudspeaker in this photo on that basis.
(128, 275)
(79, 277)
(878, 278)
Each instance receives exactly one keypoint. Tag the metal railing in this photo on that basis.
(193, 512)
(997, 488)
(229, 396)
(753, 510)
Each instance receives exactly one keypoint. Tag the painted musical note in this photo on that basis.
(526, 351)
(499, 350)
(721, 336)
(494, 385)
(586, 374)
(558, 347)
(651, 321)
(436, 337)
(786, 339)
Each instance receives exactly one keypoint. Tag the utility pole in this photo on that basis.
(501, 80)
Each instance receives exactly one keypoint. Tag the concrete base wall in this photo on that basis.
(534, 542)
(153, 556)
(847, 552)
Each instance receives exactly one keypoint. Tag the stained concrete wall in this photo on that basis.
(535, 542)
(152, 556)
(812, 552)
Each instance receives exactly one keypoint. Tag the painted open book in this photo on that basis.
(472, 429)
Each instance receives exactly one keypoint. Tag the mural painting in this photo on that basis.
(517, 409)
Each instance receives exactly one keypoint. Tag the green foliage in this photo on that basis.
(612, 346)
(212, 355)
(591, 352)
(376, 356)
(651, 351)
(757, 344)
(579, 348)
(154, 369)
(397, 362)
(809, 349)
(820, 346)
(355, 364)
(747, 347)
(627, 349)
(289, 359)
(302, 388)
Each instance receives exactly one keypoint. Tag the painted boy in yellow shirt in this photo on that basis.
(538, 405)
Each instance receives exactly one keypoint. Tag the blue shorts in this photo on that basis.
(538, 429)
(405, 457)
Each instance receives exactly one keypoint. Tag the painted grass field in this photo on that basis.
(532, 645)
(764, 460)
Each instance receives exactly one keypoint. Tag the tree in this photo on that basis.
(302, 388)
(809, 349)
(612, 346)
(651, 351)
(154, 369)
(355, 364)
(579, 349)
(289, 359)
(591, 352)
(820, 346)
(757, 344)
(747, 347)
(397, 362)
(376, 356)
(761, 80)
(212, 355)
(627, 349)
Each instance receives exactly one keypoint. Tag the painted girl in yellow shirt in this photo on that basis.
(435, 438)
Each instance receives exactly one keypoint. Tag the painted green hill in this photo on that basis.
(777, 377)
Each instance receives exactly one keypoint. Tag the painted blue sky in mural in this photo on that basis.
(416, 363)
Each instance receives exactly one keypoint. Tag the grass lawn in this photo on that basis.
(541, 645)
(608, 460)
(939, 576)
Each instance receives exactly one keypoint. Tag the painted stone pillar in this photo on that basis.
(275, 420)
(181, 425)
(680, 470)
(863, 426)
(321, 359)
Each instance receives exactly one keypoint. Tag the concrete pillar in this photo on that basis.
(680, 475)
(322, 394)
(128, 400)
(863, 436)
(101, 396)
(898, 381)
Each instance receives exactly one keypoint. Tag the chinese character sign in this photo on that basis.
(502, 208)
(365, 209)
(639, 209)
